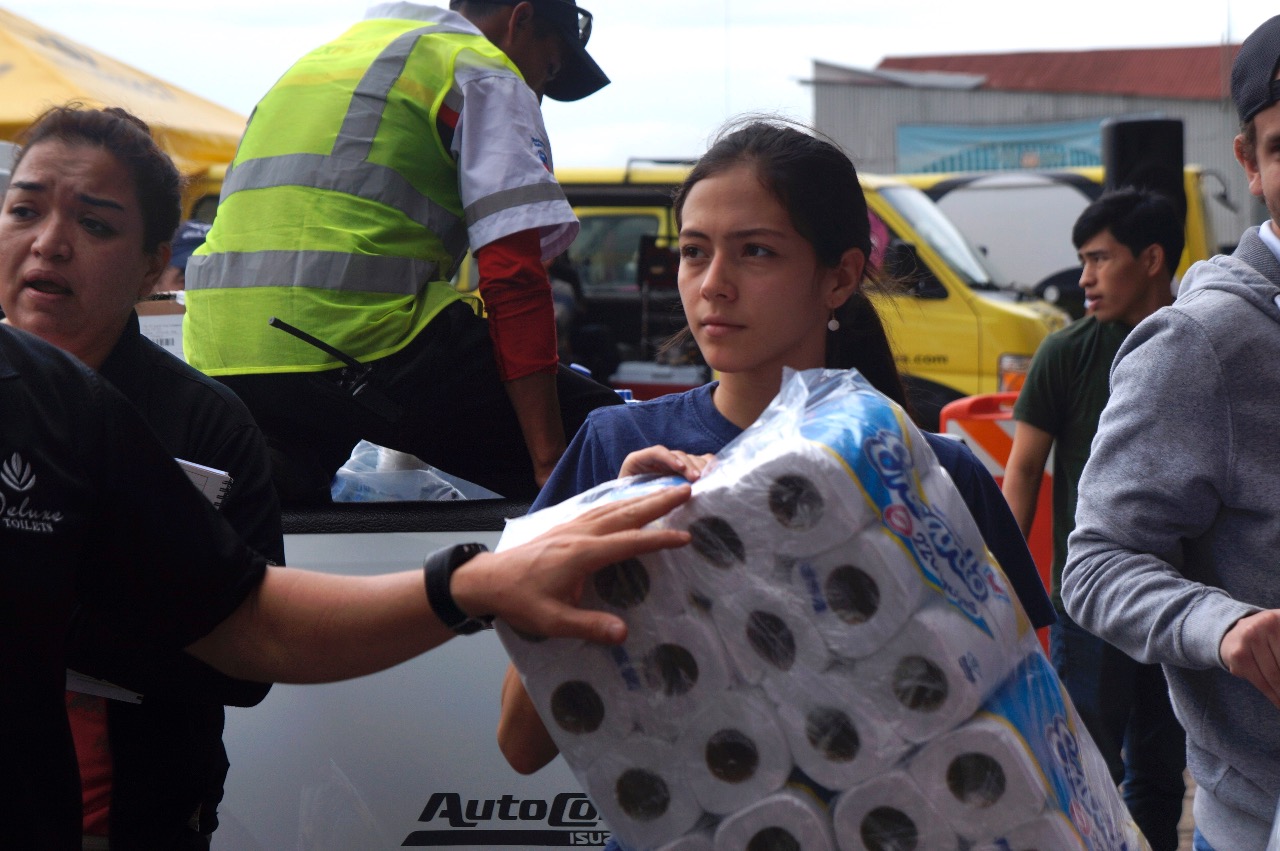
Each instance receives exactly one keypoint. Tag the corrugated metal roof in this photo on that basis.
(1198, 73)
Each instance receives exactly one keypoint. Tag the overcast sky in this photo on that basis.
(679, 67)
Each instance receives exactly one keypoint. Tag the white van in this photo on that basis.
(1021, 222)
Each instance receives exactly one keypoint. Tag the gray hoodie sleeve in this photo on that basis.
(1156, 476)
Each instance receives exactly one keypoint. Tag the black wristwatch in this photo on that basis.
(437, 571)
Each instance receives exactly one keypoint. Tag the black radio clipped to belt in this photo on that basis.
(355, 379)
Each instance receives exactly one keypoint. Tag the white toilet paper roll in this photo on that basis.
(889, 813)
(733, 752)
(804, 497)
(935, 672)
(982, 777)
(587, 701)
(637, 589)
(861, 592)
(637, 786)
(1051, 831)
(837, 735)
(532, 653)
(769, 635)
(697, 841)
(728, 547)
(788, 820)
(681, 663)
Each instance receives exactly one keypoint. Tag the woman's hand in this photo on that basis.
(660, 459)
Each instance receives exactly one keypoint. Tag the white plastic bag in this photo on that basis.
(376, 474)
(837, 626)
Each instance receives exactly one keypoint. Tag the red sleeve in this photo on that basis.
(517, 299)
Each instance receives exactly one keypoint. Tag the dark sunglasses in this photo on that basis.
(565, 7)
(584, 24)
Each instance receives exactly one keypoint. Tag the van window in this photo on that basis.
(607, 249)
(940, 234)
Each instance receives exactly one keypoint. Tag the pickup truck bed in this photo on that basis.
(404, 758)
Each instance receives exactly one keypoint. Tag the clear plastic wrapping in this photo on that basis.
(835, 657)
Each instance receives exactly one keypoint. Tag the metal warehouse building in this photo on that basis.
(1034, 110)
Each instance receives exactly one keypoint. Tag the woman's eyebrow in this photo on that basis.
(745, 233)
(94, 201)
(91, 200)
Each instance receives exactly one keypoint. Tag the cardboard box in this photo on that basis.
(160, 318)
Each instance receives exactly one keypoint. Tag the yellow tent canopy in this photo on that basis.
(40, 68)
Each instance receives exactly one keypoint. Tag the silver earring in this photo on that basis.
(833, 324)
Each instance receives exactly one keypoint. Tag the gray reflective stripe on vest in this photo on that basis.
(368, 273)
(508, 198)
(347, 170)
(373, 182)
(369, 99)
(355, 138)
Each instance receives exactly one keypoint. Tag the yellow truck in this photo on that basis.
(955, 331)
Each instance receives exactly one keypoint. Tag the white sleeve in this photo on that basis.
(504, 163)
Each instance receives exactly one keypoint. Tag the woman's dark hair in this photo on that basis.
(128, 139)
(817, 184)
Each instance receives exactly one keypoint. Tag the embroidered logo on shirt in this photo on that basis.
(17, 474)
(17, 513)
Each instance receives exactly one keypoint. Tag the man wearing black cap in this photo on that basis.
(189, 236)
(362, 179)
(1175, 554)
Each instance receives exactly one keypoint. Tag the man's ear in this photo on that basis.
(1247, 156)
(517, 23)
(522, 15)
(1152, 260)
(500, 26)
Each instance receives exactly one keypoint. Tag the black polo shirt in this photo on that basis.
(83, 486)
(167, 756)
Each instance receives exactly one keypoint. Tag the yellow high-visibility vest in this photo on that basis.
(341, 213)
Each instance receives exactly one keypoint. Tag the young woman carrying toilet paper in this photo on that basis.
(775, 244)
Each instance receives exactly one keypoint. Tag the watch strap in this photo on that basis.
(437, 572)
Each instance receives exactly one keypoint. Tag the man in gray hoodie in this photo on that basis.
(1177, 542)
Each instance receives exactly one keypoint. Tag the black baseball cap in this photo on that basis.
(580, 75)
(189, 236)
(1253, 75)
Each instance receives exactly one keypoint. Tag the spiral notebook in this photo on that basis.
(214, 484)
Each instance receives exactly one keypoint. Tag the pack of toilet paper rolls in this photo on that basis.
(835, 660)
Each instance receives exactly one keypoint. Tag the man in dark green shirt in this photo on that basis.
(1129, 243)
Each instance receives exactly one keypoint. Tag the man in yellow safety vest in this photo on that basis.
(322, 295)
